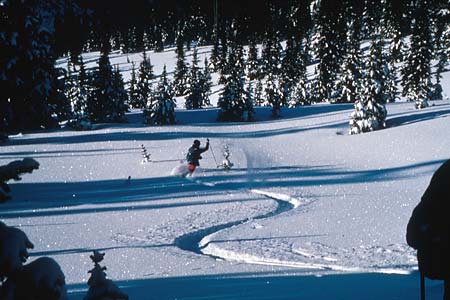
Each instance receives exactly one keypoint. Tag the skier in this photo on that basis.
(194, 154)
(428, 229)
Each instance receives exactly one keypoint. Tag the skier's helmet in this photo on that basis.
(197, 143)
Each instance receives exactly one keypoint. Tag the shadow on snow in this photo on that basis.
(282, 284)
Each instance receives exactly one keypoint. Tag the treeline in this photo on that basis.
(327, 33)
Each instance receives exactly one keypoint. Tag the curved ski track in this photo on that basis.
(195, 241)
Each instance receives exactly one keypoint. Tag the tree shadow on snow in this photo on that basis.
(416, 116)
(283, 284)
(169, 192)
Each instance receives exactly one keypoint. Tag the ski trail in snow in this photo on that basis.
(201, 241)
(278, 196)
(195, 241)
(229, 255)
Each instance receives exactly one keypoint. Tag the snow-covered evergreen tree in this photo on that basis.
(300, 94)
(159, 38)
(99, 286)
(145, 77)
(181, 70)
(370, 111)
(215, 55)
(84, 92)
(13, 171)
(390, 81)
(232, 100)
(259, 93)
(194, 99)
(253, 66)
(273, 95)
(223, 63)
(27, 67)
(350, 77)
(77, 91)
(271, 53)
(206, 83)
(289, 73)
(119, 107)
(99, 102)
(40, 279)
(326, 49)
(226, 163)
(416, 74)
(133, 89)
(442, 50)
(161, 111)
(372, 15)
(248, 102)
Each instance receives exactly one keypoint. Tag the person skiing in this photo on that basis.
(194, 155)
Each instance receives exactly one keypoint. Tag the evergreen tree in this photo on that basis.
(370, 112)
(215, 55)
(181, 69)
(289, 73)
(300, 94)
(442, 51)
(372, 16)
(350, 77)
(327, 49)
(206, 83)
(118, 105)
(194, 100)
(259, 97)
(416, 74)
(232, 100)
(393, 12)
(144, 81)
(159, 38)
(271, 54)
(162, 110)
(390, 85)
(273, 95)
(253, 66)
(248, 102)
(99, 102)
(28, 32)
(71, 87)
(77, 90)
(83, 92)
(223, 64)
(133, 90)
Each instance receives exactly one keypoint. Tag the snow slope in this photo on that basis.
(307, 212)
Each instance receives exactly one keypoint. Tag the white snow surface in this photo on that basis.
(307, 211)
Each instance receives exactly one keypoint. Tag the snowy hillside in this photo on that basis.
(307, 212)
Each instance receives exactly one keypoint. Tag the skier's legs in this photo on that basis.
(191, 168)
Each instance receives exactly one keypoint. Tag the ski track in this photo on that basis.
(200, 241)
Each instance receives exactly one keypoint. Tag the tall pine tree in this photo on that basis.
(181, 70)
(161, 111)
(231, 103)
(194, 100)
(144, 84)
(417, 71)
(370, 111)
(99, 102)
(133, 89)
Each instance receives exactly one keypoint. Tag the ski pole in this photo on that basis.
(422, 286)
(212, 152)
